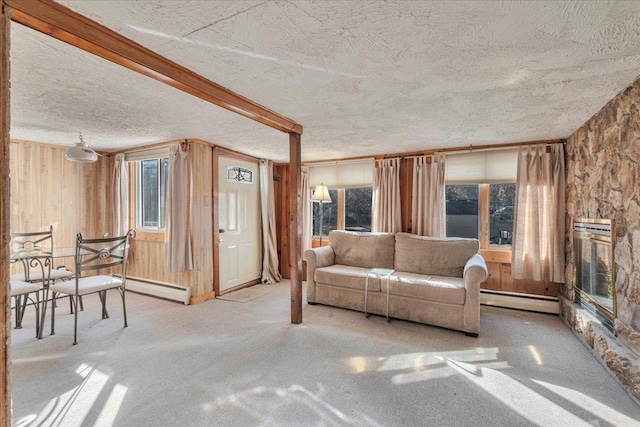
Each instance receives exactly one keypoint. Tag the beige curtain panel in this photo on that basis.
(120, 196)
(538, 228)
(428, 203)
(270, 265)
(178, 254)
(386, 197)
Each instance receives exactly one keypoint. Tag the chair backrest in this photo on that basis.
(33, 249)
(98, 254)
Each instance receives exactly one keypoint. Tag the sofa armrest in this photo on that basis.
(475, 272)
(316, 258)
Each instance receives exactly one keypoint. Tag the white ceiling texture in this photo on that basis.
(362, 77)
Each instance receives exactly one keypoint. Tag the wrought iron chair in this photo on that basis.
(20, 293)
(92, 256)
(35, 251)
(36, 245)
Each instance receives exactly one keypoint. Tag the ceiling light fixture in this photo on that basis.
(81, 153)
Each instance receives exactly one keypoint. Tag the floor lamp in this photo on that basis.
(321, 195)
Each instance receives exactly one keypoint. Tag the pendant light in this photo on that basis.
(81, 153)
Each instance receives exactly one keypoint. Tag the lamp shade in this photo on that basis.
(321, 194)
(81, 153)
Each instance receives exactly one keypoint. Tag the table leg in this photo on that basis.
(366, 289)
(388, 278)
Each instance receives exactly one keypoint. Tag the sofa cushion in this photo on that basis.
(367, 250)
(433, 256)
(346, 276)
(432, 288)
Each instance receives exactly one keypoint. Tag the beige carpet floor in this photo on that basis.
(221, 363)
(246, 294)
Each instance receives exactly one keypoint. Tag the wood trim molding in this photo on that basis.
(484, 215)
(502, 256)
(235, 155)
(202, 298)
(5, 190)
(70, 27)
(216, 221)
(444, 150)
(295, 226)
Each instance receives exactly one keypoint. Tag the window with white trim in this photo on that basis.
(351, 189)
(151, 193)
(349, 210)
(480, 196)
(465, 204)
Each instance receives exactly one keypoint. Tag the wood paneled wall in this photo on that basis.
(48, 190)
(147, 256)
(281, 194)
(76, 197)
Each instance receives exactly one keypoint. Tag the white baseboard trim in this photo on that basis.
(161, 290)
(529, 303)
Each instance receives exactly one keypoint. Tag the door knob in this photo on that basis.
(220, 230)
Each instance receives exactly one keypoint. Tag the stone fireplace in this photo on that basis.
(594, 268)
(603, 171)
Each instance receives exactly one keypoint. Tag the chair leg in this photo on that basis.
(75, 321)
(53, 312)
(71, 304)
(43, 311)
(18, 307)
(38, 326)
(103, 300)
(124, 306)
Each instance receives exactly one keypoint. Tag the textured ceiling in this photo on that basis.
(361, 77)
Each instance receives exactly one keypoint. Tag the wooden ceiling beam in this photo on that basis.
(70, 27)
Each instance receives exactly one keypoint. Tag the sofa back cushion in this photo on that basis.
(367, 250)
(432, 255)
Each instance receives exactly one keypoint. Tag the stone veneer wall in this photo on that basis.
(603, 168)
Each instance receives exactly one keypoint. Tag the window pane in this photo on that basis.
(357, 209)
(329, 217)
(462, 210)
(151, 193)
(501, 209)
(149, 196)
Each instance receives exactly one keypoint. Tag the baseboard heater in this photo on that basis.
(158, 289)
(521, 301)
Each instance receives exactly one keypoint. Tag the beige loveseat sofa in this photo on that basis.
(435, 281)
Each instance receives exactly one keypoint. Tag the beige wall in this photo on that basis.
(75, 197)
(603, 168)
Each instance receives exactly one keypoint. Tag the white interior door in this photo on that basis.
(239, 222)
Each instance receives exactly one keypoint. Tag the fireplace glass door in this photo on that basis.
(593, 252)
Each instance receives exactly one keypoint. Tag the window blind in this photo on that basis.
(346, 174)
(491, 166)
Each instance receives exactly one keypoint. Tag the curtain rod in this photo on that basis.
(471, 148)
(338, 161)
(410, 154)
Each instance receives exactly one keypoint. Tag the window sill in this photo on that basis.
(501, 255)
(150, 235)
